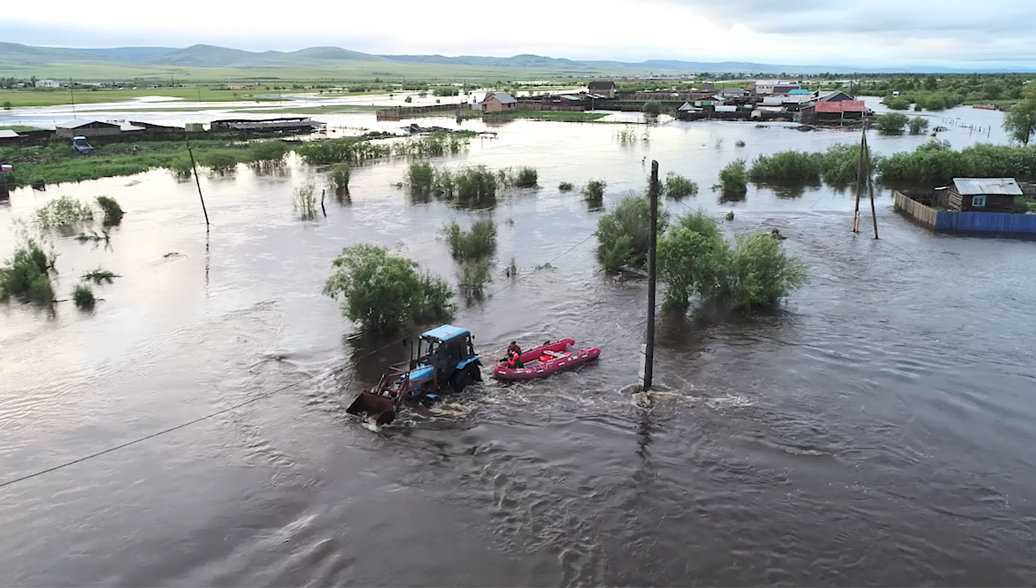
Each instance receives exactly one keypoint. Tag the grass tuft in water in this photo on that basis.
(100, 276)
(63, 212)
(338, 179)
(304, 202)
(113, 213)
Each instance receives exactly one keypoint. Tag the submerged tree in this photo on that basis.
(691, 260)
(383, 292)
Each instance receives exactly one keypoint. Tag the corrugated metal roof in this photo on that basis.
(979, 186)
(8, 134)
(843, 106)
(75, 124)
(799, 92)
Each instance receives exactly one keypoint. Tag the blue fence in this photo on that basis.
(986, 222)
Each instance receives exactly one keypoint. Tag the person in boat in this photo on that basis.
(514, 356)
(514, 359)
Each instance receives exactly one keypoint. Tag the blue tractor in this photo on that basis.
(445, 361)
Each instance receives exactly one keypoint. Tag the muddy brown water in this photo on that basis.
(876, 430)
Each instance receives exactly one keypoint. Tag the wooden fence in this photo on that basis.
(401, 112)
(921, 214)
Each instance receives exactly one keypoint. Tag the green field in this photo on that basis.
(56, 96)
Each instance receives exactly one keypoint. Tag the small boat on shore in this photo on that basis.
(546, 360)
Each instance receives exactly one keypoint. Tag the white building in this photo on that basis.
(765, 87)
(47, 84)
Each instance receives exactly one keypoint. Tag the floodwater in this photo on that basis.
(876, 430)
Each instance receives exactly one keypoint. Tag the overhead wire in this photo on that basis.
(256, 398)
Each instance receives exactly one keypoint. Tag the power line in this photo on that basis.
(254, 399)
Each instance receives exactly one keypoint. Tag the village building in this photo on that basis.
(86, 128)
(982, 194)
(8, 137)
(763, 87)
(834, 96)
(735, 96)
(153, 129)
(833, 112)
(784, 88)
(971, 206)
(47, 84)
(602, 89)
(283, 124)
(498, 102)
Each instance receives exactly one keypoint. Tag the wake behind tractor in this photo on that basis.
(444, 362)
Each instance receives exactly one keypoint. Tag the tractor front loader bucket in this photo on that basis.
(380, 409)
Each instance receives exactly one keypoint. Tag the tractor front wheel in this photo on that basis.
(469, 375)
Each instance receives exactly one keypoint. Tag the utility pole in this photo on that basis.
(71, 90)
(649, 345)
(197, 182)
(864, 181)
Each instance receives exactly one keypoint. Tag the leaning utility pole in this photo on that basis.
(649, 345)
(197, 182)
(864, 181)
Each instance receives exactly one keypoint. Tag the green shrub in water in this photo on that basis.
(477, 243)
(677, 186)
(593, 191)
(83, 297)
(26, 275)
(622, 235)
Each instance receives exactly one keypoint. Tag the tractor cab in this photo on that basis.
(448, 350)
(444, 361)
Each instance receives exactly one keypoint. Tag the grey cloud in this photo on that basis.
(924, 18)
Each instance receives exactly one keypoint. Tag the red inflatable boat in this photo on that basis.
(546, 360)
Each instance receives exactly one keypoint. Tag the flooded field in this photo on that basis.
(876, 430)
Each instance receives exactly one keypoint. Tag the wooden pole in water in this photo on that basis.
(649, 348)
(322, 192)
(861, 179)
(197, 182)
(870, 190)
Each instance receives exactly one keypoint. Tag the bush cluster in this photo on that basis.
(384, 292)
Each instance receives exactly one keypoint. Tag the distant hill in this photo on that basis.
(18, 58)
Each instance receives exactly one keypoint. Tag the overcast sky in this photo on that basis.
(953, 33)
